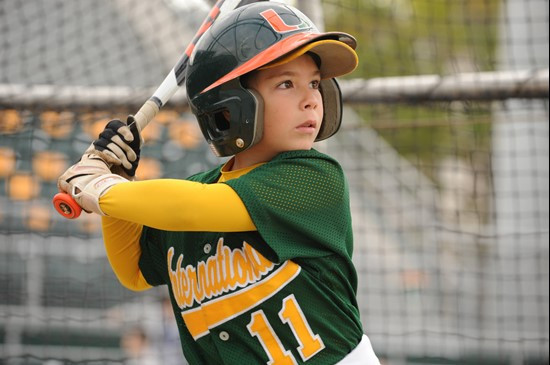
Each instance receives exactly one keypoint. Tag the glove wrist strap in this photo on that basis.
(89, 196)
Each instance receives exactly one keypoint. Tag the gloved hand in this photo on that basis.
(87, 180)
(119, 145)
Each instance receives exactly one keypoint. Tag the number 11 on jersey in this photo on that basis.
(291, 314)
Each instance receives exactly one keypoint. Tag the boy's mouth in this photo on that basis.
(307, 126)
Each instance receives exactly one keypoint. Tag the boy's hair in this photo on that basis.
(256, 37)
(245, 79)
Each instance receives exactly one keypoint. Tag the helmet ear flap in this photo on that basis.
(235, 122)
(258, 118)
(332, 104)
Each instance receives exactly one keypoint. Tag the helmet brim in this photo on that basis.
(337, 58)
(336, 51)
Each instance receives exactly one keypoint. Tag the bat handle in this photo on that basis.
(66, 206)
(146, 113)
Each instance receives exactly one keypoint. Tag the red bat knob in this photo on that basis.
(66, 206)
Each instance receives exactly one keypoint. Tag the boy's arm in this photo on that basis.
(178, 205)
(121, 241)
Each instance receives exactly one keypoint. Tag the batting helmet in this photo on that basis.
(257, 36)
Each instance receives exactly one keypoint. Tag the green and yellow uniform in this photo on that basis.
(279, 289)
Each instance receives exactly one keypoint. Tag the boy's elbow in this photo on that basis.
(136, 284)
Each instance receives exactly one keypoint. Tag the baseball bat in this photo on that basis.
(63, 202)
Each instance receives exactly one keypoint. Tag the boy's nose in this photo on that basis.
(309, 100)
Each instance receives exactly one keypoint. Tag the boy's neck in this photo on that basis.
(229, 173)
(249, 158)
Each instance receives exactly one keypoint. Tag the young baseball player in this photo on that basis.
(256, 253)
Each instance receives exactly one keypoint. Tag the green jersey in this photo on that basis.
(283, 294)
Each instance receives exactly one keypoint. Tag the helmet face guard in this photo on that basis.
(230, 115)
(228, 118)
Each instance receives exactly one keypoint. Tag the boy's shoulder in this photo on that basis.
(299, 163)
(308, 157)
(311, 156)
(312, 153)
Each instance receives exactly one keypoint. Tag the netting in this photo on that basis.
(444, 143)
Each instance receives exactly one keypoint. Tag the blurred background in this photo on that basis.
(444, 143)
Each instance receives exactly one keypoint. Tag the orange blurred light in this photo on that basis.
(7, 161)
(166, 116)
(22, 186)
(148, 169)
(57, 125)
(185, 133)
(49, 165)
(10, 121)
(38, 218)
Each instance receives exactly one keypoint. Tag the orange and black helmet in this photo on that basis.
(257, 36)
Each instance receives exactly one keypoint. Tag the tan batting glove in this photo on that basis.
(119, 144)
(115, 165)
(87, 180)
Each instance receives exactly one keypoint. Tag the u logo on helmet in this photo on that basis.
(279, 25)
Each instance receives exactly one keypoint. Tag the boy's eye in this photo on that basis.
(315, 84)
(285, 84)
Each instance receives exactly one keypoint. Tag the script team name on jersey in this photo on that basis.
(223, 272)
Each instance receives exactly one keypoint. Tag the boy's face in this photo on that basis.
(293, 106)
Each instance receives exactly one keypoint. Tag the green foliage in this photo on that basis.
(419, 37)
(410, 37)
(425, 133)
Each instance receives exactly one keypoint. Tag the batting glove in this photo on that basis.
(119, 145)
(87, 180)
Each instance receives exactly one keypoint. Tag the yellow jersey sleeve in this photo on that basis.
(178, 205)
(121, 241)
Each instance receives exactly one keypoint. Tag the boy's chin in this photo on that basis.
(302, 147)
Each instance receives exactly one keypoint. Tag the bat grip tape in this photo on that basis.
(146, 114)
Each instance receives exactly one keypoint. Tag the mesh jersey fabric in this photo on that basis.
(299, 202)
